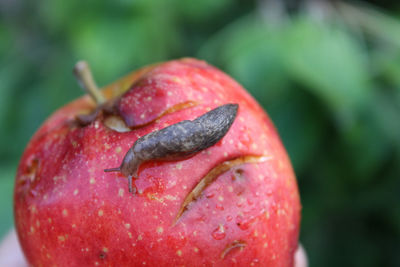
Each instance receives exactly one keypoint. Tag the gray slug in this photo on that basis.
(178, 141)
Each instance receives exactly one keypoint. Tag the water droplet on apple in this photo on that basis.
(219, 233)
(241, 223)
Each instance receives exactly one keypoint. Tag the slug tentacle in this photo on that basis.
(178, 141)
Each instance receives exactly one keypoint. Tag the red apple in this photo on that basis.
(233, 204)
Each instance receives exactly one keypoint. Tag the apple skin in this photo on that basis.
(69, 212)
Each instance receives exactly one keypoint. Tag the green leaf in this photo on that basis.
(378, 24)
(116, 46)
(6, 198)
(330, 63)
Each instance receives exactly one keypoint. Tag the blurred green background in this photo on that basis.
(327, 72)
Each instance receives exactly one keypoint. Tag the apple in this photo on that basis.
(235, 203)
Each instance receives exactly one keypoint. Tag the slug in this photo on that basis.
(178, 141)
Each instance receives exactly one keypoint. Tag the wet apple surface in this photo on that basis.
(234, 203)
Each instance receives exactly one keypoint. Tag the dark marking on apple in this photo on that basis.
(107, 108)
(29, 175)
(238, 174)
(178, 141)
(213, 174)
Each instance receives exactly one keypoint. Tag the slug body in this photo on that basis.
(178, 141)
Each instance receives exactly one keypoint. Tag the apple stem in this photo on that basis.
(85, 79)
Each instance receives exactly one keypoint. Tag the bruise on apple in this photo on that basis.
(117, 123)
(119, 103)
(108, 109)
(178, 141)
(113, 119)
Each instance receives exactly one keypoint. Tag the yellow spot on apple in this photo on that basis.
(179, 253)
(65, 212)
(127, 225)
(118, 149)
(179, 166)
(92, 181)
(76, 191)
(74, 144)
(170, 197)
(176, 79)
(105, 250)
(281, 165)
(196, 249)
(140, 237)
(100, 213)
(121, 192)
(160, 230)
(61, 238)
(33, 209)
